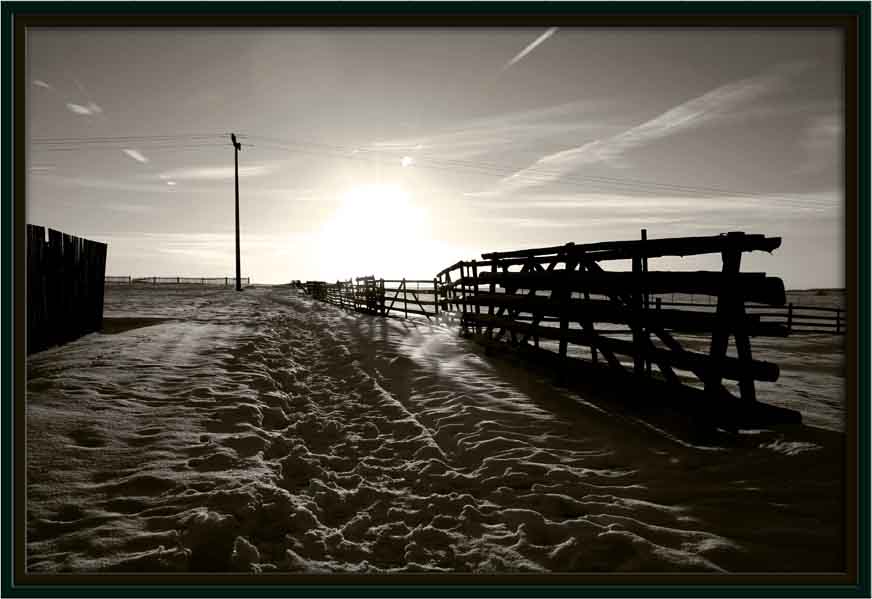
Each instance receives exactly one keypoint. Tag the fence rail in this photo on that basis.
(128, 280)
(64, 287)
(794, 319)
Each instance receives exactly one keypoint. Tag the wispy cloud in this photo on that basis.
(698, 111)
(130, 208)
(495, 132)
(91, 109)
(41, 83)
(108, 184)
(214, 173)
(532, 46)
(136, 155)
(822, 141)
(598, 204)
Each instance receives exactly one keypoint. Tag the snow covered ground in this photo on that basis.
(262, 431)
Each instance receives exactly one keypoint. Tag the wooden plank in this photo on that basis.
(417, 301)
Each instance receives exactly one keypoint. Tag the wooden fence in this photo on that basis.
(563, 295)
(794, 319)
(64, 287)
(385, 297)
(222, 281)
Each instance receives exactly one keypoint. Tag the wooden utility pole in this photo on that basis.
(236, 147)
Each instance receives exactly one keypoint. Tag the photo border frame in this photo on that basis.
(852, 17)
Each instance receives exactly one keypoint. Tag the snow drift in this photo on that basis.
(263, 432)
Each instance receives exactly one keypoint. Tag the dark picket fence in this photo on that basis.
(64, 287)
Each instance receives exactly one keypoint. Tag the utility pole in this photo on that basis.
(236, 147)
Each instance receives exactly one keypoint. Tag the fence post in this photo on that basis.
(730, 313)
(475, 296)
(463, 323)
(790, 318)
(435, 297)
(405, 304)
(838, 320)
(638, 335)
(646, 299)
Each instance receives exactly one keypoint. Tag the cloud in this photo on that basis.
(41, 83)
(722, 100)
(136, 155)
(108, 184)
(131, 208)
(215, 173)
(532, 46)
(822, 141)
(491, 133)
(616, 203)
(78, 108)
(90, 110)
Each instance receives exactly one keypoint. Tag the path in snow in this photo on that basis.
(264, 431)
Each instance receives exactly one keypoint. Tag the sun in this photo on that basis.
(377, 229)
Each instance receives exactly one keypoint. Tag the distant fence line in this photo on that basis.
(796, 320)
(128, 280)
(64, 287)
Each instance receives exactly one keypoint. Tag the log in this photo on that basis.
(755, 287)
(651, 248)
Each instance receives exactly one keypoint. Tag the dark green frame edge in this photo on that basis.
(368, 13)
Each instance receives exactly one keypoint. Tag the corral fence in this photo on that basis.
(217, 281)
(385, 297)
(64, 287)
(561, 302)
(563, 295)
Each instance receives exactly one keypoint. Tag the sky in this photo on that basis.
(397, 152)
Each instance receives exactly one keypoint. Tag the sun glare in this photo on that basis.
(377, 229)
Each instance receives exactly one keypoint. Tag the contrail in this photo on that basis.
(530, 48)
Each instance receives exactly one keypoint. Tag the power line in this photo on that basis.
(128, 147)
(532, 174)
(536, 175)
(125, 138)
